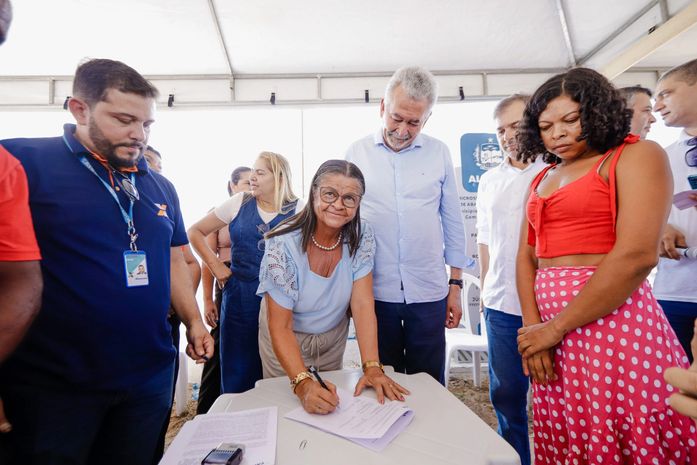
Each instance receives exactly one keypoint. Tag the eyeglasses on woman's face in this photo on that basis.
(329, 195)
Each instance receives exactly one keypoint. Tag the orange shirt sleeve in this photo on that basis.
(17, 239)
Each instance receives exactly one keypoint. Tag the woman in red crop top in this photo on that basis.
(595, 341)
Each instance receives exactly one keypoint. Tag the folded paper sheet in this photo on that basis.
(360, 419)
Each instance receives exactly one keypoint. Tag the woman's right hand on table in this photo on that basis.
(315, 399)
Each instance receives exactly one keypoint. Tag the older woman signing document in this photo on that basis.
(316, 264)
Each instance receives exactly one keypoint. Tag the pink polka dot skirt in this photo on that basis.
(609, 405)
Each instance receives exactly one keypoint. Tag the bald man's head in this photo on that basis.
(5, 18)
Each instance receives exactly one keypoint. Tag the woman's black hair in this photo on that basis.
(235, 177)
(306, 220)
(605, 118)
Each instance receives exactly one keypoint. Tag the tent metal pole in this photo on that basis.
(665, 14)
(51, 91)
(642, 48)
(561, 12)
(616, 33)
(385, 74)
(223, 45)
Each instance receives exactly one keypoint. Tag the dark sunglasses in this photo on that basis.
(691, 154)
(127, 186)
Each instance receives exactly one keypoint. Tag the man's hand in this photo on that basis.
(686, 380)
(200, 346)
(454, 310)
(210, 313)
(671, 239)
(5, 426)
(693, 197)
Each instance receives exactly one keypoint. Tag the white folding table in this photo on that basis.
(443, 431)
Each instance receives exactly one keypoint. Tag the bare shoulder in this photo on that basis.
(643, 148)
(644, 156)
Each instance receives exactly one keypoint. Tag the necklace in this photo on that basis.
(264, 205)
(328, 249)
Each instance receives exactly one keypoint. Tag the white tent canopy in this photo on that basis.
(223, 52)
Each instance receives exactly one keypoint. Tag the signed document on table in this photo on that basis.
(360, 419)
(256, 429)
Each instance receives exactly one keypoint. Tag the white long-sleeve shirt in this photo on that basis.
(501, 198)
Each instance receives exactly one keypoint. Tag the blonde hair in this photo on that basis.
(282, 187)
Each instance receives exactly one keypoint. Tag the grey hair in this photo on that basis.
(417, 82)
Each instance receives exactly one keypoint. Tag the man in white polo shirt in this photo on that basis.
(500, 201)
(675, 286)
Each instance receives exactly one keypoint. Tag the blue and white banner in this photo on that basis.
(479, 153)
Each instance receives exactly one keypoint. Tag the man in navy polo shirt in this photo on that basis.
(91, 384)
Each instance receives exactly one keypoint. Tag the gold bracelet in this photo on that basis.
(299, 378)
(372, 363)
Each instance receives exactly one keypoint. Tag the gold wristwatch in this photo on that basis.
(372, 363)
(299, 378)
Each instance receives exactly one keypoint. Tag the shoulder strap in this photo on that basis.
(246, 197)
(611, 176)
(540, 176)
(288, 207)
(599, 164)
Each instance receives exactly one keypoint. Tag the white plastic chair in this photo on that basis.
(464, 337)
(181, 390)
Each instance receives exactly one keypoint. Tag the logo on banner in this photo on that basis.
(487, 155)
(479, 153)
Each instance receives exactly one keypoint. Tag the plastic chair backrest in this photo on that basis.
(470, 303)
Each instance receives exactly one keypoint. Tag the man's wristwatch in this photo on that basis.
(457, 282)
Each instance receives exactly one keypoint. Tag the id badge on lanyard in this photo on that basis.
(135, 261)
(136, 266)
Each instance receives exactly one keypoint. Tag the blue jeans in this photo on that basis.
(240, 363)
(681, 316)
(71, 426)
(508, 385)
(411, 337)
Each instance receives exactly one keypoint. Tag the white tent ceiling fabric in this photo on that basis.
(218, 52)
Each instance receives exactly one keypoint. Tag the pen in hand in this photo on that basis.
(321, 382)
(314, 371)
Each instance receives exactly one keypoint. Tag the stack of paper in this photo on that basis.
(256, 429)
(360, 419)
